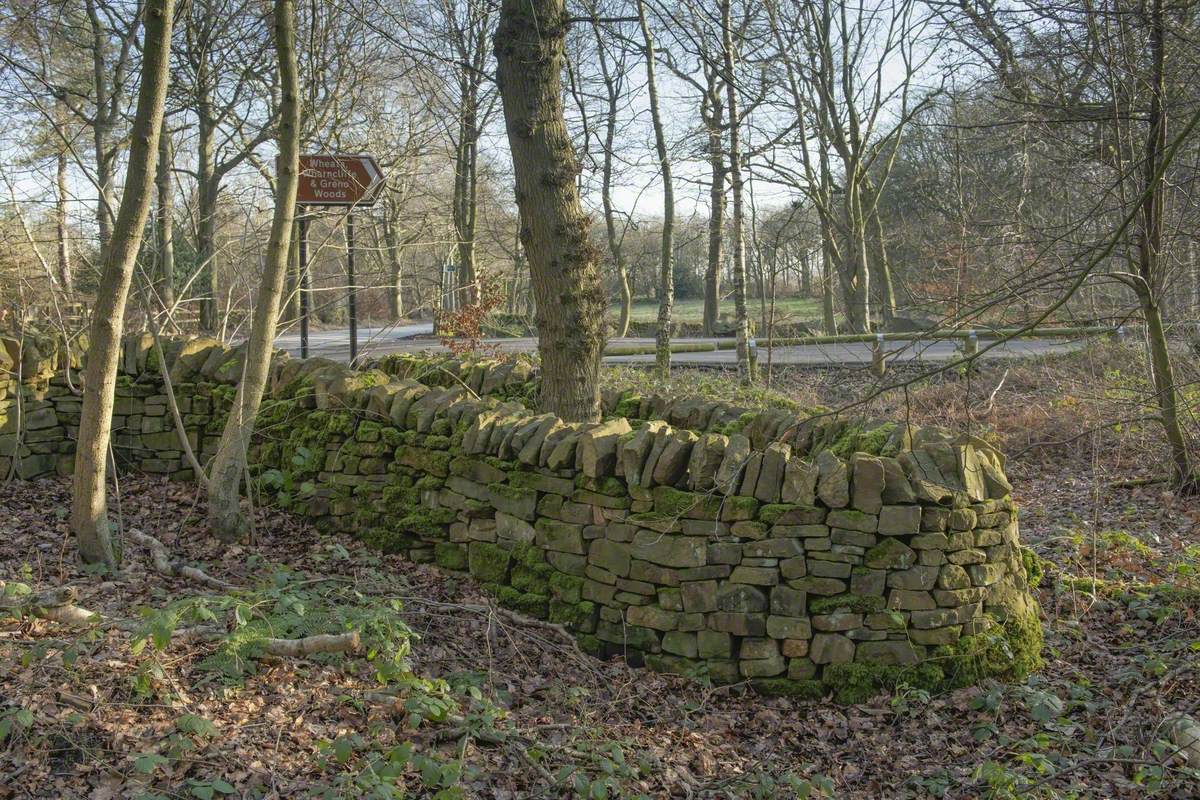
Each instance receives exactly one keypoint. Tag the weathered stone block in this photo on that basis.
(833, 484)
(899, 520)
(817, 585)
(714, 644)
(917, 578)
(831, 648)
(986, 574)
(867, 483)
(652, 617)
(910, 600)
(890, 554)
(799, 483)
(795, 628)
(888, 653)
(699, 596)
(741, 598)
(561, 536)
(680, 643)
(757, 576)
(669, 550)
(737, 623)
(850, 519)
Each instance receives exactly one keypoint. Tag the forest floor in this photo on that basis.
(460, 699)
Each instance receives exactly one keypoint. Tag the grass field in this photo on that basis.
(692, 310)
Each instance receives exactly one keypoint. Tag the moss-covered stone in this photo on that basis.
(450, 555)
(488, 562)
(527, 603)
(859, 682)
(786, 687)
(859, 604)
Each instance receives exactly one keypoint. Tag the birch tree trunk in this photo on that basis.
(225, 516)
(666, 274)
(564, 265)
(89, 518)
(742, 324)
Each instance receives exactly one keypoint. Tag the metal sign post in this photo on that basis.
(333, 179)
(303, 268)
(353, 298)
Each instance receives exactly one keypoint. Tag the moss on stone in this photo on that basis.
(736, 426)
(1008, 651)
(786, 687)
(855, 439)
(528, 555)
(532, 578)
(856, 603)
(450, 555)
(573, 615)
(629, 406)
(428, 522)
(489, 562)
(1033, 567)
(527, 603)
(567, 588)
(859, 682)
(389, 540)
(675, 502)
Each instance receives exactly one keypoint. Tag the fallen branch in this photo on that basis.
(532, 622)
(310, 645)
(56, 605)
(1133, 483)
(163, 564)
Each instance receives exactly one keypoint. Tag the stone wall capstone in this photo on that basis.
(801, 554)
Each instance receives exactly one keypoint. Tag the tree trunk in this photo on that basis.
(224, 502)
(65, 277)
(466, 186)
(391, 242)
(1150, 235)
(89, 518)
(716, 224)
(745, 365)
(564, 265)
(666, 274)
(101, 127)
(164, 224)
(615, 247)
(856, 280)
(883, 270)
(207, 187)
(827, 284)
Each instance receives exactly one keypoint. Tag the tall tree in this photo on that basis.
(742, 319)
(89, 517)
(666, 268)
(613, 75)
(225, 516)
(563, 262)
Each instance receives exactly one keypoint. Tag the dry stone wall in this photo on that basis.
(799, 553)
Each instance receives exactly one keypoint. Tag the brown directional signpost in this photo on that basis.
(335, 179)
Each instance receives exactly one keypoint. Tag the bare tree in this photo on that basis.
(225, 517)
(89, 518)
(742, 320)
(666, 273)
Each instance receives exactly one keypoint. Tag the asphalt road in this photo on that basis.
(335, 344)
